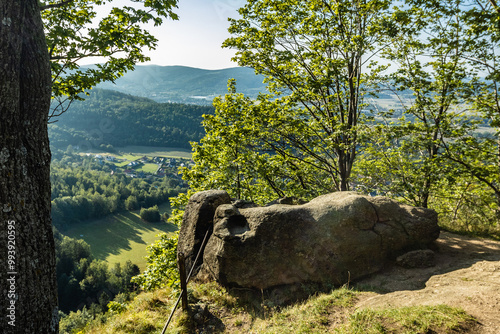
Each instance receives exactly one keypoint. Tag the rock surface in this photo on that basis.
(332, 239)
(421, 258)
(197, 220)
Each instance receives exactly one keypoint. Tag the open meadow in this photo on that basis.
(120, 237)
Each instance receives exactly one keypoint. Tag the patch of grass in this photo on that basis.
(213, 293)
(146, 314)
(120, 237)
(122, 164)
(149, 168)
(318, 314)
(128, 156)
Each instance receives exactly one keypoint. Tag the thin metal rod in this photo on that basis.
(187, 280)
(172, 313)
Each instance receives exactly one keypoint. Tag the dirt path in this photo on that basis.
(466, 275)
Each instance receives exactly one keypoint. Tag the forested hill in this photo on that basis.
(185, 84)
(111, 118)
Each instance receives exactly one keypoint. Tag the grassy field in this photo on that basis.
(149, 168)
(127, 156)
(120, 237)
(152, 151)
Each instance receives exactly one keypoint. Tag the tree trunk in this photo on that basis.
(27, 261)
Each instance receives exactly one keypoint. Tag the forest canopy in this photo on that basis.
(111, 118)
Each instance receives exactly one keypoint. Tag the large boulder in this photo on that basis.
(197, 220)
(330, 240)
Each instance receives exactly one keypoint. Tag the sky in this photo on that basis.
(195, 39)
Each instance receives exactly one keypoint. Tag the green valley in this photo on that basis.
(101, 233)
(121, 236)
(113, 155)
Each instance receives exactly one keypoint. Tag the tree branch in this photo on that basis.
(55, 5)
(495, 6)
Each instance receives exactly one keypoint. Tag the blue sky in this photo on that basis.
(195, 39)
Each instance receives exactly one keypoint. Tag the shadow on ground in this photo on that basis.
(453, 252)
(116, 233)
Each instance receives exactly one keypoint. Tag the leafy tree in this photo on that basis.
(69, 252)
(317, 57)
(131, 203)
(478, 155)
(150, 214)
(441, 153)
(466, 206)
(119, 277)
(75, 321)
(74, 31)
(228, 156)
(407, 160)
(161, 268)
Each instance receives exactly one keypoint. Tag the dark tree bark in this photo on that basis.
(27, 269)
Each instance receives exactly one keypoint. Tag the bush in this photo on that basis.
(131, 203)
(161, 269)
(165, 216)
(150, 215)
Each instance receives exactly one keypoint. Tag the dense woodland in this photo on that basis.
(84, 189)
(109, 118)
(86, 282)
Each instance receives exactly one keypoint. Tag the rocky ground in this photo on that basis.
(466, 275)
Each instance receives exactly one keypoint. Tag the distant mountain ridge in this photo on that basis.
(109, 117)
(184, 84)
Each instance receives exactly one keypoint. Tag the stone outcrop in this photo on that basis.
(198, 218)
(330, 240)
